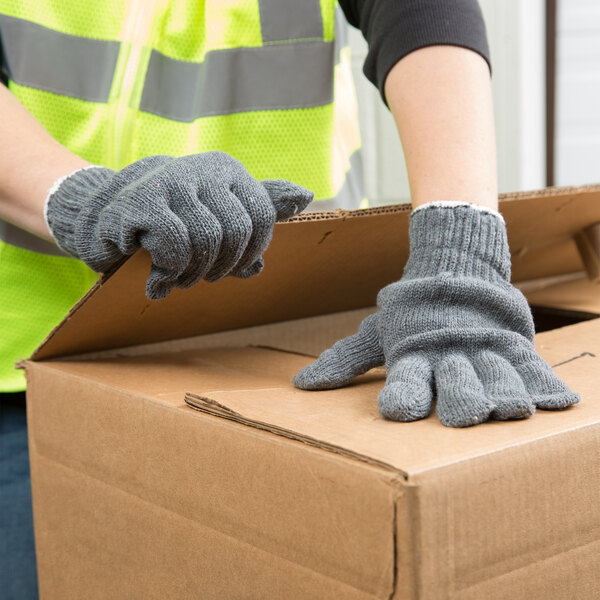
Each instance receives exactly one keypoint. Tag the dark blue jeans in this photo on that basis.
(18, 577)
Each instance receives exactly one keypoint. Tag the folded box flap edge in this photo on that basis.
(417, 471)
(204, 403)
(115, 312)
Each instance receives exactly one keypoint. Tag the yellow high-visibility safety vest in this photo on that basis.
(267, 81)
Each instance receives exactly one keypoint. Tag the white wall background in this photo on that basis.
(577, 141)
(516, 30)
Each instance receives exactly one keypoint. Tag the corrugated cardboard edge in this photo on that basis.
(588, 243)
(505, 196)
(550, 191)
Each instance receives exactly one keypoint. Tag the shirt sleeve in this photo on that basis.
(394, 28)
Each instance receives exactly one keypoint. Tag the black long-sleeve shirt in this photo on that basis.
(394, 28)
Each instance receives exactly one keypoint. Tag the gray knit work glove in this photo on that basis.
(200, 217)
(453, 326)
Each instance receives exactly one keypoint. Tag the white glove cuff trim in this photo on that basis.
(54, 188)
(452, 204)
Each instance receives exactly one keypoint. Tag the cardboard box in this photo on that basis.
(172, 458)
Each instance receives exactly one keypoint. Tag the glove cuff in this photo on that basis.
(459, 239)
(67, 197)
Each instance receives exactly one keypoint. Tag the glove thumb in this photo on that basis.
(340, 364)
(288, 198)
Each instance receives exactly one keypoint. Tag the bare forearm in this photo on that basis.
(441, 99)
(30, 162)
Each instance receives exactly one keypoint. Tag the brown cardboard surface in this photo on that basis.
(316, 264)
(252, 386)
(521, 523)
(588, 244)
(283, 493)
(135, 497)
(578, 294)
(308, 336)
(263, 491)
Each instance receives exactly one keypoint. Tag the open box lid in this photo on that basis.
(317, 263)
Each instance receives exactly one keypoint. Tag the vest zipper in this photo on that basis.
(136, 37)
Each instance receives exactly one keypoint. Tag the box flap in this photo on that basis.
(577, 294)
(316, 264)
(346, 421)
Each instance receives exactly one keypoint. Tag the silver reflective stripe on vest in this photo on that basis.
(282, 76)
(287, 20)
(10, 234)
(352, 192)
(48, 60)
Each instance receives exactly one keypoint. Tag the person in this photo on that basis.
(179, 127)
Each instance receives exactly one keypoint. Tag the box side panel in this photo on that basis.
(407, 551)
(573, 574)
(138, 499)
(521, 523)
(96, 541)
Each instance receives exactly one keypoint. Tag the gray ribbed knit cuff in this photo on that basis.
(461, 240)
(72, 195)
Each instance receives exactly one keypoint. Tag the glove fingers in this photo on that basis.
(236, 228)
(180, 185)
(161, 232)
(288, 198)
(461, 398)
(548, 392)
(257, 203)
(408, 393)
(205, 238)
(254, 269)
(171, 252)
(503, 387)
(347, 358)
(160, 283)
